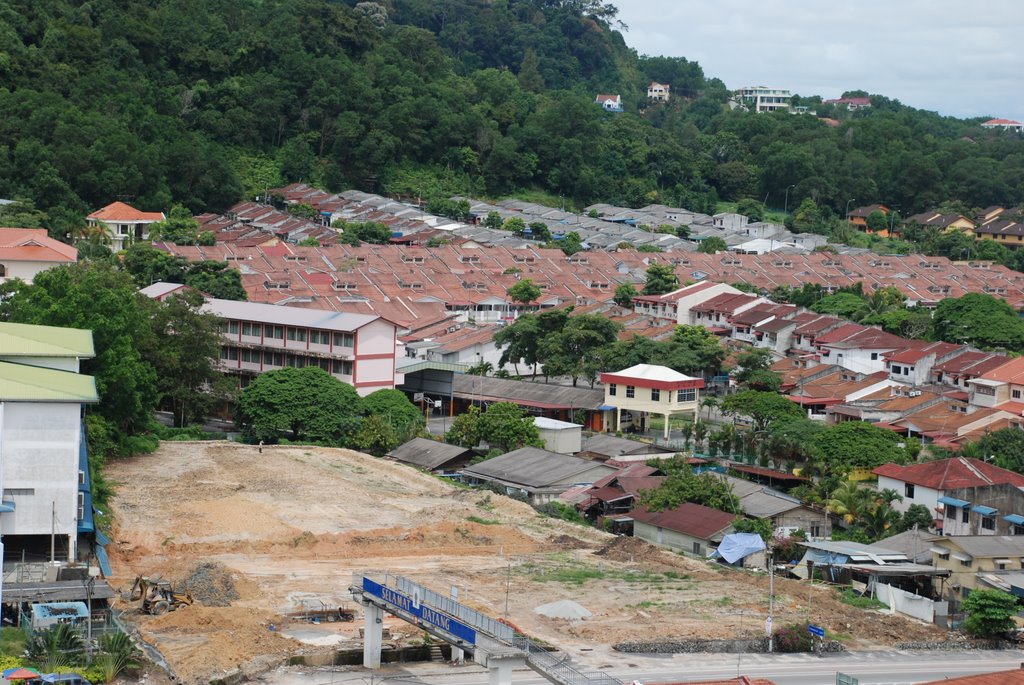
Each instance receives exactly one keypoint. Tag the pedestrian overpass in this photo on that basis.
(492, 643)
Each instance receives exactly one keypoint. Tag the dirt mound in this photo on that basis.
(630, 549)
(211, 583)
(203, 642)
(568, 542)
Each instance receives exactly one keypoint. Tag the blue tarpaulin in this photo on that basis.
(738, 545)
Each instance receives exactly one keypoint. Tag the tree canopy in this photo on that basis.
(306, 404)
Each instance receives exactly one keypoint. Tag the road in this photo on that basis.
(870, 668)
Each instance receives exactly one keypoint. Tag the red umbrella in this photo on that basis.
(20, 674)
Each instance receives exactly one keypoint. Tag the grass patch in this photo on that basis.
(573, 575)
(482, 522)
(723, 602)
(848, 596)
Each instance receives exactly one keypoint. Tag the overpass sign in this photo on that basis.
(413, 606)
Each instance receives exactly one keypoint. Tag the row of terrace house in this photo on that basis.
(838, 371)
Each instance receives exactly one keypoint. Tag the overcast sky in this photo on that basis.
(962, 59)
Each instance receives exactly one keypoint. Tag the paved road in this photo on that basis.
(871, 668)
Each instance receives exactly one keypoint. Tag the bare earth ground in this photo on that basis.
(294, 523)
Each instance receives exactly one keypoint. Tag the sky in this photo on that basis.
(962, 59)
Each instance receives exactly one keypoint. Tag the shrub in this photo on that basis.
(557, 510)
(794, 637)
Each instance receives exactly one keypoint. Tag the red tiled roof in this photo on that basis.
(1014, 677)
(949, 474)
(689, 518)
(1010, 372)
(33, 245)
(119, 211)
(738, 680)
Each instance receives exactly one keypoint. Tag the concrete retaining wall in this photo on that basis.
(759, 645)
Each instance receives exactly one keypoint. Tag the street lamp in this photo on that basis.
(848, 210)
(785, 208)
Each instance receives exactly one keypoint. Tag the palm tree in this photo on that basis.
(850, 502)
(700, 429)
(710, 403)
(687, 431)
(878, 519)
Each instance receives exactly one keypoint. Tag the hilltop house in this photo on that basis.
(659, 92)
(610, 103)
(24, 252)
(124, 224)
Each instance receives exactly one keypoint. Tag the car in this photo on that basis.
(61, 678)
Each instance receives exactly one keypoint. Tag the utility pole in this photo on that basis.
(771, 601)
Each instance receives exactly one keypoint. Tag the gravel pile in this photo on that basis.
(210, 583)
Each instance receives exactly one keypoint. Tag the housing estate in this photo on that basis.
(124, 224)
(931, 483)
(24, 252)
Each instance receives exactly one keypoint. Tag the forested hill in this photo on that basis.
(206, 101)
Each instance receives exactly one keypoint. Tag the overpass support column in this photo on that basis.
(373, 634)
(500, 668)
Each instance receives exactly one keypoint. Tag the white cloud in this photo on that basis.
(960, 60)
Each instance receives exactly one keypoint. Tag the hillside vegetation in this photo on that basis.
(204, 102)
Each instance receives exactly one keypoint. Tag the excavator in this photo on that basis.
(157, 596)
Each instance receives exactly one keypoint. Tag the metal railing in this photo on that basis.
(553, 665)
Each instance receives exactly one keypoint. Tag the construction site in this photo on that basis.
(266, 545)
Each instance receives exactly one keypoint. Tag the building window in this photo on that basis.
(344, 340)
(229, 328)
(1016, 394)
(276, 332)
(874, 356)
(273, 359)
(896, 369)
(320, 337)
(908, 490)
(655, 395)
(988, 522)
(966, 564)
(252, 330)
(1018, 530)
(951, 513)
(983, 390)
(686, 395)
(3, 270)
(612, 389)
(696, 548)
(965, 515)
(297, 334)
(251, 356)
(229, 353)
(15, 492)
(343, 367)
(630, 391)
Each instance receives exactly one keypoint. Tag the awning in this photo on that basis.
(605, 407)
(1015, 519)
(984, 511)
(941, 551)
(961, 557)
(6, 507)
(1001, 561)
(103, 561)
(953, 502)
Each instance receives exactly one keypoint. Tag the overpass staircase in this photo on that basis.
(464, 628)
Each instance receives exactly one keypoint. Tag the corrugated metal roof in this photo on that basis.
(57, 591)
(20, 339)
(428, 454)
(288, 316)
(22, 383)
(525, 393)
(533, 467)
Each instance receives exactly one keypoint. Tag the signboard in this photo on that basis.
(417, 397)
(815, 630)
(768, 626)
(843, 679)
(425, 613)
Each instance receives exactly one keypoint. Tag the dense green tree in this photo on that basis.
(1006, 445)
(762, 527)
(917, 515)
(989, 613)
(376, 436)
(712, 245)
(402, 416)
(683, 485)
(524, 292)
(761, 407)
(573, 350)
(507, 426)
(184, 348)
(661, 279)
(704, 345)
(465, 428)
(979, 319)
(97, 297)
(859, 444)
(306, 404)
(179, 227)
(571, 243)
(624, 294)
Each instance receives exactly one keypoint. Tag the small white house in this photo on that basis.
(559, 436)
